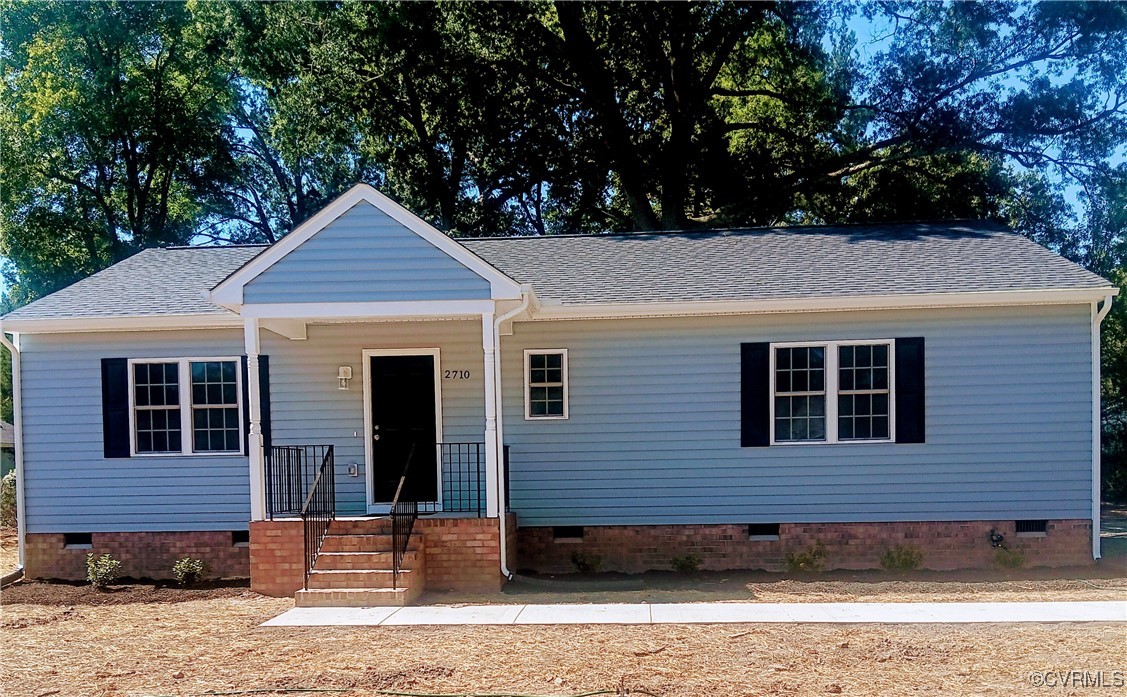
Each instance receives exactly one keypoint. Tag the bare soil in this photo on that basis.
(9, 550)
(60, 639)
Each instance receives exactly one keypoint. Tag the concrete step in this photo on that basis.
(350, 578)
(365, 543)
(366, 597)
(362, 561)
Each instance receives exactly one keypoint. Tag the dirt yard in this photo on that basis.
(9, 550)
(145, 640)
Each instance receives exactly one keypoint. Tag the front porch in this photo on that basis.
(306, 549)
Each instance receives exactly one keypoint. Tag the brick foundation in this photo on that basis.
(142, 554)
(945, 545)
(277, 557)
(463, 554)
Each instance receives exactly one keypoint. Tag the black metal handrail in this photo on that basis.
(404, 513)
(290, 470)
(318, 511)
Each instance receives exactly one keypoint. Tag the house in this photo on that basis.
(7, 448)
(369, 407)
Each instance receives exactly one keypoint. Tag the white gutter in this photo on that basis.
(502, 515)
(17, 419)
(1098, 314)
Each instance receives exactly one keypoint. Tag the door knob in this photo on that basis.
(376, 437)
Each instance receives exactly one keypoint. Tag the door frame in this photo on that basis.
(371, 504)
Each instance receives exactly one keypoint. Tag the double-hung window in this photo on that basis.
(186, 406)
(832, 392)
(545, 386)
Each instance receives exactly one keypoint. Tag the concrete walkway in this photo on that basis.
(705, 613)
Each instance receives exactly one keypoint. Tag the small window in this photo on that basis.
(177, 396)
(215, 407)
(545, 389)
(763, 531)
(156, 404)
(567, 532)
(1031, 528)
(800, 394)
(78, 540)
(240, 538)
(832, 392)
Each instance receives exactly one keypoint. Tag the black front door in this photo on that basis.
(403, 423)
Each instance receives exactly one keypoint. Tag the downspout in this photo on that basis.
(1098, 314)
(17, 418)
(502, 517)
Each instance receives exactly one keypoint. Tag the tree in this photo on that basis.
(113, 132)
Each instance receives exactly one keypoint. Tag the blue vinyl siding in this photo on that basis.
(307, 407)
(71, 487)
(654, 430)
(365, 256)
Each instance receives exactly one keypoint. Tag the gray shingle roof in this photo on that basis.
(755, 264)
(776, 263)
(151, 282)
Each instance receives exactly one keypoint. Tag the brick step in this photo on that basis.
(365, 543)
(350, 578)
(366, 597)
(362, 526)
(360, 561)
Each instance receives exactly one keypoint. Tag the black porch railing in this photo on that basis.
(404, 512)
(290, 470)
(318, 511)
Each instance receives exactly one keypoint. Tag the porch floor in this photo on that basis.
(708, 613)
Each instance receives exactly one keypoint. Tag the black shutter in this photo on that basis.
(910, 390)
(264, 398)
(115, 407)
(755, 395)
(264, 402)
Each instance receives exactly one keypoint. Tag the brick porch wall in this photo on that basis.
(142, 554)
(945, 545)
(463, 554)
(277, 557)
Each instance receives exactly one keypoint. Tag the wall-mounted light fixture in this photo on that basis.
(344, 374)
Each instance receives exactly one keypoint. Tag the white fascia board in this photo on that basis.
(122, 324)
(369, 310)
(229, 293)
(547, 311)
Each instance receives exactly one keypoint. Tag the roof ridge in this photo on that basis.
(739, 230)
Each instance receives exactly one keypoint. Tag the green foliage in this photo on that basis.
(1008, 558)
(901, 559)
(685, 564)
(102, 571)
(188, 571)
(810, 560)
(8, 512)
(586, 562)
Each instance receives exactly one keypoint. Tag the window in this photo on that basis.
(209, 410)
(545, 389)
(832, 392)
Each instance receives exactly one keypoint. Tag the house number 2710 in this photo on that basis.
(457, 375)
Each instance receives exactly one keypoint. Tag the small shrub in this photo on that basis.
(687, 563)
(102, 571)
(901, 559)
(8, 500)
(188, 571)
(586, 563)
(810, 560)
(1008, 558)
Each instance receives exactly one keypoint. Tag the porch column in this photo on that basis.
(254, 436)
(489, 347)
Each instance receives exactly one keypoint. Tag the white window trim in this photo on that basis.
(528, 416)
(832, 391)
(187, 439)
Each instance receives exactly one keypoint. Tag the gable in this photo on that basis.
(365, 255)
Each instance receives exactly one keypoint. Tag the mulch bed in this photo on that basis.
(126, 593)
